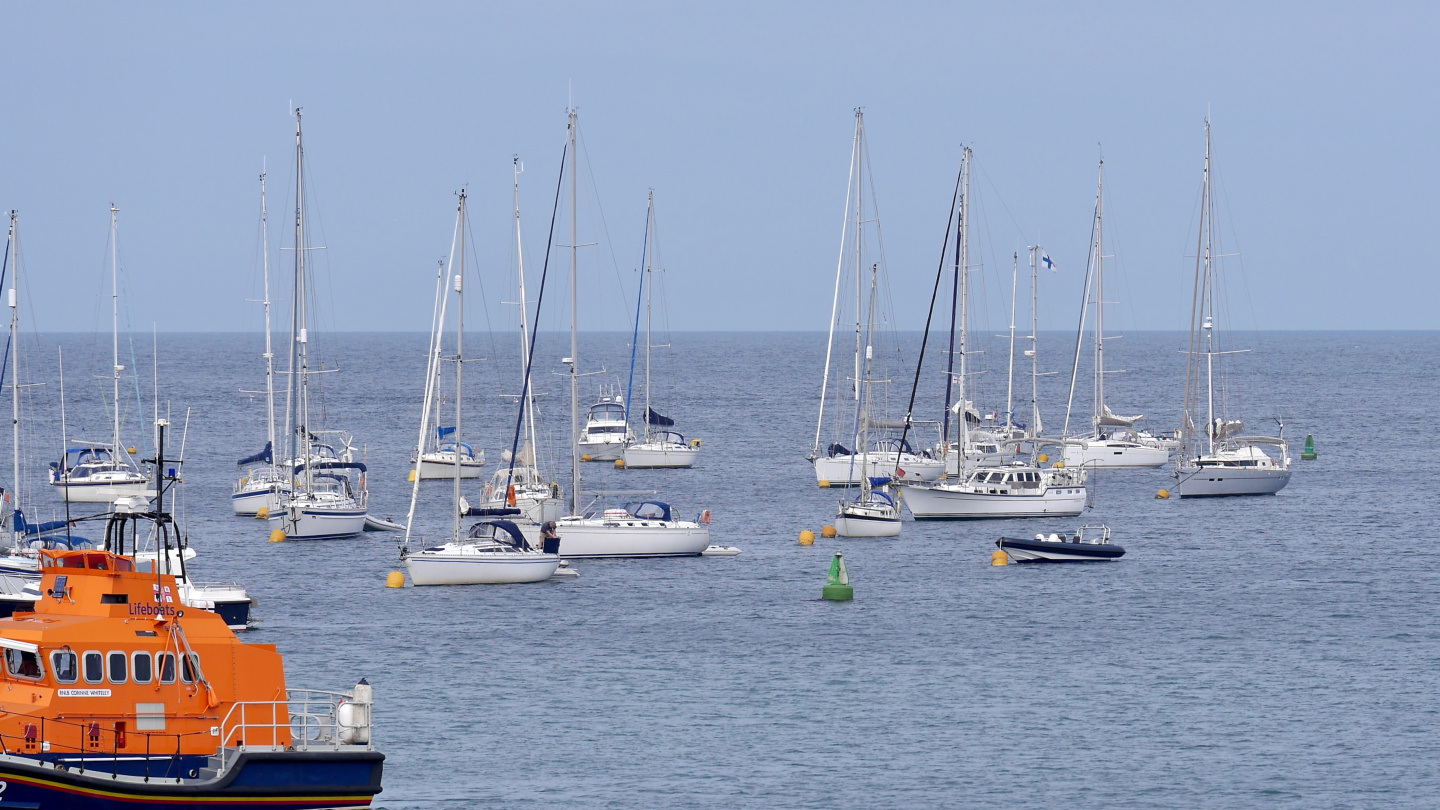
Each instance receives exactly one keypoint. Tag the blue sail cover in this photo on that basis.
(22, 526)
(444, 430)
(267, 455)
(656, 419)
(334, 465)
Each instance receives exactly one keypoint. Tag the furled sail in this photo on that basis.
(656, 419)
(1109, 418)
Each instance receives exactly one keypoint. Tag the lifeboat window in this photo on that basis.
(119, 667)
(141, 666)
(66, 666)
(94, 667)
(167, 667)
(22, 664)
(189, 665)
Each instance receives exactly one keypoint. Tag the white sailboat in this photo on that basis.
(493, 551)
(645, 529)
(834, 463)
(95, 472)
(659, 446)
(1216, 458)
(326, 501)
(873, 512)
(1113, 441)
(520, 484)
(264, 484)
(1017, 489)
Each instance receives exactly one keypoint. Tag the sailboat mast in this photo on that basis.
(1100, 299)
(115, 324)
(1208, 228)
(459, 352)
(964, 270)
(269, 351)
(524, 325)
(1010, 384)
(1034, 344)
(859, 267)
(839, 272)
(574, 330)
(649, 291)
(863, 420)
(15, 375)
(300, 438)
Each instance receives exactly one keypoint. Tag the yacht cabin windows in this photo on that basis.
(119, 667)
(94, 666)
(22, 663)
(66, 666)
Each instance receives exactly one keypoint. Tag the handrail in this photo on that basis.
(311, 719)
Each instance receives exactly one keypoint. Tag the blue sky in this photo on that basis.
(740, 117)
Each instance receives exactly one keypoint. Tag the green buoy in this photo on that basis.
(1309, 453)
(837, 586)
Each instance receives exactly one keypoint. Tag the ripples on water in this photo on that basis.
(1279, 651)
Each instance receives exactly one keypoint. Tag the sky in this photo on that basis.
(740, 117)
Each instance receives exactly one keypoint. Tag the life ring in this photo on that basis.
(705, 517)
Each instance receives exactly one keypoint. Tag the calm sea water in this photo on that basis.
(1280, 651)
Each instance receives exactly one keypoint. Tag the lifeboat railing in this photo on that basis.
(312, 720)
(99, 747)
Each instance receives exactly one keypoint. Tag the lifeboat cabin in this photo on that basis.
(112, 694)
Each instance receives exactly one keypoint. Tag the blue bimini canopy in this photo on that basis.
(267, 455)
(649, 510)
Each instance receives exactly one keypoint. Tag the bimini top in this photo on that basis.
(649, 510)
(501, 531)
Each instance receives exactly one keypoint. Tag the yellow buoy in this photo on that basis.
(1058, 465)
(277, 536)
(586, 457)
(263, 513)
(1044, 457)
(824, 484)
(827, 532)
(130, 450)
(395, 579)
(412, 476)
(807, 538)
(619, 463)
(999, 557)
(1163, 494)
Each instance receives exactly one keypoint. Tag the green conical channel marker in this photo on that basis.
(837, 587)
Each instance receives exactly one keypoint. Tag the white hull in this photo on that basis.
(1219, 481)
(247, 501)
(840, 471)
(630, 537)
(432, 468)
(103, 491)
(1104, 453)
(479, 568)
(1059, 555)
(318, 522)
(943, 501)
(602, 451)
(859, 526)
(660, 454)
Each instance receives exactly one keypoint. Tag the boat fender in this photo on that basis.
(694, 442)
(510, 495)
(705, 517)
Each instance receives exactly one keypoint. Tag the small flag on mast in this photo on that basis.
(1050, 263)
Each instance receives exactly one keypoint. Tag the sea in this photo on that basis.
(1270, 651)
